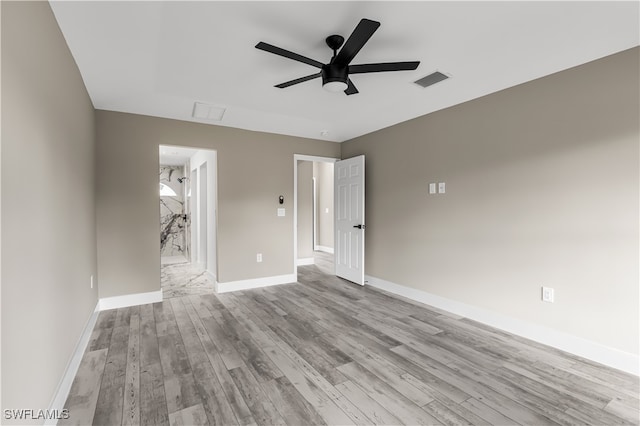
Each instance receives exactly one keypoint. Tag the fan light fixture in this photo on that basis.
(334, 78)
(335, 86)
(166, 191)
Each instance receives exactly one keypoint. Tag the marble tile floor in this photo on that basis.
(172, 260)
(185, 279)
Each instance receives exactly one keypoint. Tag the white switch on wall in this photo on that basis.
(432, 188)
(441, 188)
(281, 212)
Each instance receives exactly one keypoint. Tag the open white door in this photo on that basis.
(349, 220)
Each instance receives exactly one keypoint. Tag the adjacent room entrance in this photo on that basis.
(187, 220)
(329, 215)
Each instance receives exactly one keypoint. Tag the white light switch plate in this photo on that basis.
(281, 212)
(441, 188)
(432, 188)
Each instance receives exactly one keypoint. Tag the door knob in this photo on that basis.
(359, 226)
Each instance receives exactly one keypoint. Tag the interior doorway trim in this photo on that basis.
(200, 195)
(296, 158)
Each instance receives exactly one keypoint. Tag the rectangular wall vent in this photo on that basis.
(431, 79)
(204, 111)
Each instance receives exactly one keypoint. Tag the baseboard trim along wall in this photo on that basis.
(64, 387)
(130, 300)
(593, 351)
(302, 261)
(255, 283)
(325, 249)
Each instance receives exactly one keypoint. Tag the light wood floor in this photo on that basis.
(324, 351)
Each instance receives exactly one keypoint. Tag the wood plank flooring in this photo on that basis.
(324, 351)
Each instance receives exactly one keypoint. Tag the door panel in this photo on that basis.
(349, 220)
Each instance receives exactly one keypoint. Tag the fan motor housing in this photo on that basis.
(333, 72)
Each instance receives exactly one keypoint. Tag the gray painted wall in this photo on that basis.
(323, 172)
(253, 170)
(542, 189)
(48, 207)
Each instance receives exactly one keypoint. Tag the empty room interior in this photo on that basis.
(312, 213)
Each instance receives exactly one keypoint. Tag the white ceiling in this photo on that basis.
(158, 58)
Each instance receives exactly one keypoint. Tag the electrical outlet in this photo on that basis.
(259, 257)
(547, 294)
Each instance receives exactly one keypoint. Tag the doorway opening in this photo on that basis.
(188, 225)
(314, 213)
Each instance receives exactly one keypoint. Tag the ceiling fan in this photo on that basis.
(335, 74)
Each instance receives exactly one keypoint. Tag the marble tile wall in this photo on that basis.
(174, 215)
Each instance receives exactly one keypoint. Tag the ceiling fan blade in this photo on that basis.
(382, 67)
(298, 80)
(287, 54)
(351, 88)
(357, 39)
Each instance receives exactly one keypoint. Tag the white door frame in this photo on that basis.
(314, 206)
(193, 214)
(296, 158)
(207, 208)
(203, 214)
(211, 160)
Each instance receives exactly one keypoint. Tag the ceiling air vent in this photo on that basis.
(203, 111)
(431, 79)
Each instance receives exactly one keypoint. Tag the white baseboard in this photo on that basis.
(255, 283)
(64, 387)
(588, 349)
(305, 261)
(324, 249)
(211, 275)
(130, 300)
